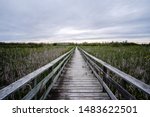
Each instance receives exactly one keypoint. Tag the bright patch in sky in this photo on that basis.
(71, 31)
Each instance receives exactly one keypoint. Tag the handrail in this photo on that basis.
(105, 87)
(5, 92)
(43, 82)
(137, 83)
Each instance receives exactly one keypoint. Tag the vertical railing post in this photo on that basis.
(12, 97)
(123, 84)
(35, 83)
(108, 76)
(104, 75)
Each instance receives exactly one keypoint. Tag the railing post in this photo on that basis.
(123, 84)
(104, 75)
(12, 97)
(35, 83)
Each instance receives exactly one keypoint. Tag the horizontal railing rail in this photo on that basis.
(37, 84)
(102, 71)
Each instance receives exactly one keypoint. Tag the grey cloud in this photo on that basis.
(29, 20)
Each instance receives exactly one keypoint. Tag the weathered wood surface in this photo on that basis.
(77, 82)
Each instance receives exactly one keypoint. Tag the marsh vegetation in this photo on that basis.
(18, 60)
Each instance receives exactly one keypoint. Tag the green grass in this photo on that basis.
(132, 59)
(17, 60)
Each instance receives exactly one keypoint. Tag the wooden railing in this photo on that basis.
(116, 83)
(37, 84)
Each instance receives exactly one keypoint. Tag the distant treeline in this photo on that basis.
(115, 44)
(33, 45)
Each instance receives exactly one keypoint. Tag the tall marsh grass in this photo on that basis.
(133, 59)
(17, 60)
(130, 58)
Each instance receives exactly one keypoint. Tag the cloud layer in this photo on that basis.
(69, 20)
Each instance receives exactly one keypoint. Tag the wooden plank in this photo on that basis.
(77, 88)
(77, 78)
(78, 94)
(80, 98)
(77, 91)
(80, 80)
(78, 83)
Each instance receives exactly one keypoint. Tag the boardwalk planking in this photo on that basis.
(77, 82)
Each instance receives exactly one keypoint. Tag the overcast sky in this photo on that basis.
(74, 20)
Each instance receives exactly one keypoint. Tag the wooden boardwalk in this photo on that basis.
(62, 79)
(77, 82)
